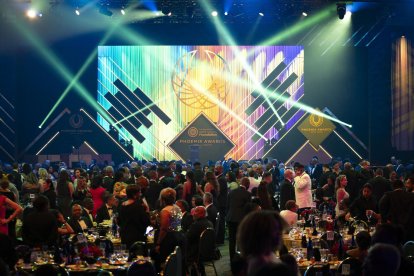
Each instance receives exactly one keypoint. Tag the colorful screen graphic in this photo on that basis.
(152, 92)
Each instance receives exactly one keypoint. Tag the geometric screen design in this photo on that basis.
(151, 93)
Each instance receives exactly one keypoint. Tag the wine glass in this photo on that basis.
(369, 213)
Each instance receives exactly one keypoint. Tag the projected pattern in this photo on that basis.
(152, 92)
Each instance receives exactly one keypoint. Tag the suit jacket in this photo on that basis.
(316, 172)
(152, 194)
(103, 214)
(398, 208)
(87, 218)
(212, 214)
(74, 223)
(193, 237)
(186, 221)
(236, 202)
(287, 192)
(303, 192)
(380, 186)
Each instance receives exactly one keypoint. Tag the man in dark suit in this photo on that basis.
(187, 218)
(88, 204)
(315, 170)
(210, 208)
(397, 207)
(200, 224)
(198, 173)
(107, 209)
(40, 226)
(153, 191)
(380, 185)
(287, 191)
(236, 202)
(76, 221)
(221, 203)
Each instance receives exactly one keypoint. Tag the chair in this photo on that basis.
(329, 244)
(207, 247)
(138, 248)
(173, 265)
(141, 267)
(408, 249)
(318, 270)
(350, 266)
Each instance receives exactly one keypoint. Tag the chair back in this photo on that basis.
(318, 270)
(141, 267)
(328, 241)
(207, 245)
(408, 249)
(173, 264)
(350, 266)
(138, 248)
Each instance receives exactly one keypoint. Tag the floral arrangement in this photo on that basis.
(90, 251)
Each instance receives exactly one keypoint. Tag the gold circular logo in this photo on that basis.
(199, 79)
(315, 120)
(193, 132)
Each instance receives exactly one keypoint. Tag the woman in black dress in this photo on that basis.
(133, 218)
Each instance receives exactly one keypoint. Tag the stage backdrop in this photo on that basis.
(151, 93)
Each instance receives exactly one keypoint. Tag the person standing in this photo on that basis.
(236, 202)
(287, 191)
(64, 192)
(303, 185)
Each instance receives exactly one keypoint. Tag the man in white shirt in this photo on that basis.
(290, 215)
(254, 183)
(303, 186)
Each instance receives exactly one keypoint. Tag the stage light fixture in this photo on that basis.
(261, 14)
(304, 14)
(214, 13)
(77, 11)
(226, 13)
(341, 10)
(31, 13)
(166, 11)
(122, 11)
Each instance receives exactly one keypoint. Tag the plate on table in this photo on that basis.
(75, 267)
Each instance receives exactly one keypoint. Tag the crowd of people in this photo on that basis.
(250, 203)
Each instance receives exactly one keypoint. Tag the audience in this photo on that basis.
(290, 214)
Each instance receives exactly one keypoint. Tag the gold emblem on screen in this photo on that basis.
(193, 132)
(198, 79)
(315, 120)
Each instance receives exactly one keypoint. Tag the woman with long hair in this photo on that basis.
(212, 186)
(340, 192)
(264, 196)
(97, 192)
(190, 187)
(64, 192)
(9, 209)
(30, 183)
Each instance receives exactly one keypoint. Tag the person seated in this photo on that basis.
(382, 260)
(260, 235)
(290, 215)
(187, 218)
(87, 212)
(200, 224)
(196, 200)
(363, 241)
(40, 226)
(77, 221)
(108, 209)
(64, 227)
(210, 208)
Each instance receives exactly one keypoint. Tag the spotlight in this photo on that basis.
(226, 13)
(31, 13)
(261, 14)
(214, 13)
(304, 14)
(166, 10)
(77, 11)
(341, 10)
(122, 11)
